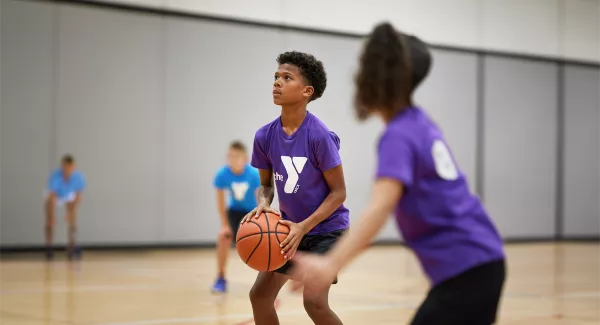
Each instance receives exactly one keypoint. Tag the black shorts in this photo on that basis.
(318, 244)
(235, 217)
(470, 298)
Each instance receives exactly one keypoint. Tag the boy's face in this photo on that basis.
(68, 169)
(289, 86)
(236, 159)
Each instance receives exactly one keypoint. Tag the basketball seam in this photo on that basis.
(276, 233)
(269, 241)
(259, 241)
(260, 233)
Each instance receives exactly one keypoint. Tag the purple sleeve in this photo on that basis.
(328, 152)
(260, 159)
(395, 158)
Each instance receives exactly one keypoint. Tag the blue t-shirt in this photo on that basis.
(242, 188)
(62, 187)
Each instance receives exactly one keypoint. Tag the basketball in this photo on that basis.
(258, 241)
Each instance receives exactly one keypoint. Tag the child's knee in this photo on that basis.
(225, 239)
(71, 207)
(315, 303)
(262, 293)
(51, 201)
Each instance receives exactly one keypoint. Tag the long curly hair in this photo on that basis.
(384, 78)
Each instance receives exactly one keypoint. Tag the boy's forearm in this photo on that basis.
(333, 201)
(221, 208)
(77, 199)
(266, 194)
(223, 214)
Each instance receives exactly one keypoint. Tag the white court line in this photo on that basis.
(120, 288)
(208, 319)
(583, 294)
(65, 289)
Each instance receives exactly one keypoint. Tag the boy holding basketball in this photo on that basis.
(241, 182)
(445, 225)
(300, 154)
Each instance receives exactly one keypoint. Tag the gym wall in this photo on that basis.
(148, 103)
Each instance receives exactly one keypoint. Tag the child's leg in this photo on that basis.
(71, 217)
(316, 303)
(224, 241)
(49, 225)
(262, 296)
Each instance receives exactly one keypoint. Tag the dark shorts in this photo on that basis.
(470, 298)
(317, 244)
(235, 217)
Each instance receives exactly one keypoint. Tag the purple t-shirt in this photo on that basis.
(440, 219)
(298, 162)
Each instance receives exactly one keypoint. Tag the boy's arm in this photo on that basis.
(256, 183)
(220, 184)
(52, 185)
(261, 161)
(337, 195)
(221, 207)
(330, 164)
(266, 191)
(79, 191)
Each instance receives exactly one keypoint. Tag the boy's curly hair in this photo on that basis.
(312, 70)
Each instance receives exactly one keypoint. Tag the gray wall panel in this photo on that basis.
(581, 207)
(110, 117)
(520, 146)
(450, 96)
(26, 118)
(218, 89)
(149, 104)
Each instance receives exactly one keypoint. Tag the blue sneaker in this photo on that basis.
(74, 253)
(49, 254)
(220, 286)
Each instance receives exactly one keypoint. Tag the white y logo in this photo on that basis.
(239, 190)
(293, 167)
(444, 164)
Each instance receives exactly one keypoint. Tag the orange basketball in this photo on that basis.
(258, 240)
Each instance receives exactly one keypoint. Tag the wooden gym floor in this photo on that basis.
(547, 284)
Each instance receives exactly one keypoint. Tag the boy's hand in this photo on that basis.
(292, 241)
(256, 212)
